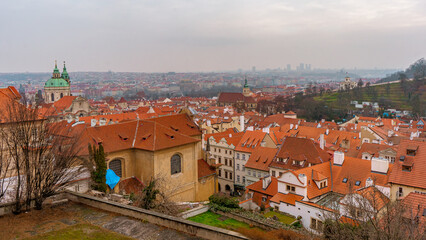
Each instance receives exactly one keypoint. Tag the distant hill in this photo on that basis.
(405, 95)
(417, 69)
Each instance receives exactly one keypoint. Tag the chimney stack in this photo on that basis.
(242, 123)
(266, 181)
(379, 165)
(93, 122)
(322, 141)
(339, 158)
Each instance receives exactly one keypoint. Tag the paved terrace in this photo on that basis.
(68, 214)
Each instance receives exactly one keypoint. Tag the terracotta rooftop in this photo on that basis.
(271, 190)
(204, 170)
(260, 158)
(416, 176)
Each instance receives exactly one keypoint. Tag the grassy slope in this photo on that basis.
(81, 231)
(283, 218)
(212, 219)
(396, 96)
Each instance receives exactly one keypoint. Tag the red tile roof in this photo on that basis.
(250, 140)
(300, 149)
(289, 198)
(260, 158)
(415, 177)
(415, 204)
(204, 170)
(271, 190)
(148, 135)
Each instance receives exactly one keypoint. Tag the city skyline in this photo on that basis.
(165, 36)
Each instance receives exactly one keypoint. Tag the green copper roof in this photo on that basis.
(56, 82)
(246, 84)
(65, 73)
(56, 70)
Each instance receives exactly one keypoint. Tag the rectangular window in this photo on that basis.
(264, 199)
(230, 175)
(226, 174)
(244, 179)
(244, 156)
(293, 189)
(220, 160)
(238, 178)
(259, 174)
(249, 172)
(273, 173)
(226, 151)
(219, 150)
(226, 162)
(230, 162)
(238, 156)
(238, 166)
(244, 168)
(220, 172)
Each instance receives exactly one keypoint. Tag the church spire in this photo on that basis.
(56, 73)
(245, 82)
(65, 74)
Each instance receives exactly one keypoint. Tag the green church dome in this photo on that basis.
(56, 82)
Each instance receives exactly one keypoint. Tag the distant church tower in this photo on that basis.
(58, 86)
(246, 89)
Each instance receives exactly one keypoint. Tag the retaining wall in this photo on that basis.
(186, 226)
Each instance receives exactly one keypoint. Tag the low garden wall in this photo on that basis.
(247, 220)
(194, 211)
(186, 226)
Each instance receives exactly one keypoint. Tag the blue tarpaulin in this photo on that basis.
(111, 178)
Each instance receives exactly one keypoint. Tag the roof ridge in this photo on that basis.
(136, 133)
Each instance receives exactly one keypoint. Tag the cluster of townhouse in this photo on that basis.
(310, 170)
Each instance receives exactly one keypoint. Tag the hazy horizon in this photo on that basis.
(202, 36)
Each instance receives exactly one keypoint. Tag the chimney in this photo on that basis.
(93, 122)
(295, 127)
(303, 179)
(339, 158)
(209, 123)
(266, 130)
(291, 126)
(379, 165)
(322, 141)
(242, 123)
(266, 181)
(369, 182)
(327, 131)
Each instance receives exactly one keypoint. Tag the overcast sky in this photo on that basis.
(189, 35)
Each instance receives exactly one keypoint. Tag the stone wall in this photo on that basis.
(188, 227)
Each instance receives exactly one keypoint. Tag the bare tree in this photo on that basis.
(368, 214)
(157, 195)
(44, 154)
(5, 170)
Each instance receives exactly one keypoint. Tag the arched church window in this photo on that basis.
(115, 165)
(52, 97)
(176, 164)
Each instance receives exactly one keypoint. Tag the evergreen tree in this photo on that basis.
(98, 174)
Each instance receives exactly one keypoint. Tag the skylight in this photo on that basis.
(345, 180)
(357, 183)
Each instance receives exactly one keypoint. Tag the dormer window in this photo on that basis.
(406, 168)
(412, 150)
